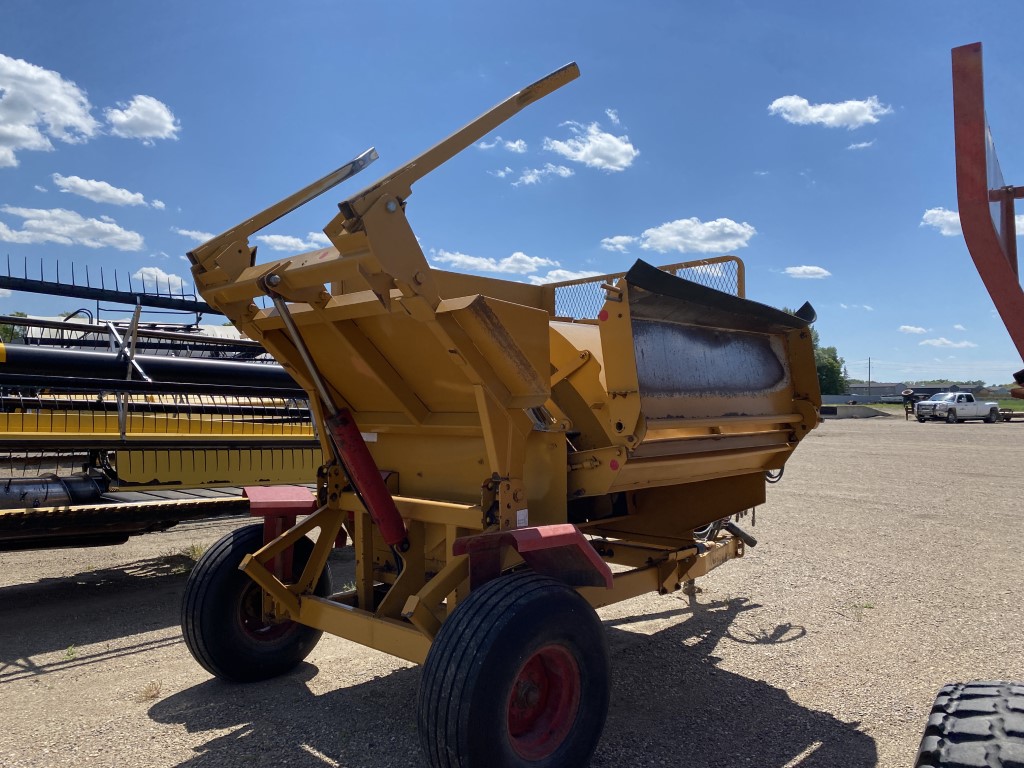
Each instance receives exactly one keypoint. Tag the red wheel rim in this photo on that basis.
(543, 703)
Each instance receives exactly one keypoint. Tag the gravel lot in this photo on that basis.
(888, 565)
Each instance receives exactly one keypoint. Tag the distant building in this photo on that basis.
(877, 389)
(893, 389)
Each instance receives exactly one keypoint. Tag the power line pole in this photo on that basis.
(869, 378)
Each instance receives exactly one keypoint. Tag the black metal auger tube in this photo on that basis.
(51, 491)
(45, 361)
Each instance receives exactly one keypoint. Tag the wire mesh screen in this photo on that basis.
(583, 299)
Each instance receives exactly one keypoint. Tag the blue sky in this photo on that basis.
(814, 140)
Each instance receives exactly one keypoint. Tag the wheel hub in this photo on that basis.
(543, 702)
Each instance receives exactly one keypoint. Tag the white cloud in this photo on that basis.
(534, 175)
(613, 115)
(595, 148)
(155, 280)
(762, 173)
(518, 263)
(862, 145)
(942, 341)
(912, 329)
(695, 236)
(57, 225)
(97, 191)
(809, 273)
(617, 243)
(37, 105)
(143, 118)
(959, 327)
(845, 114)
(282, 242)
(194, 234)
(158, 204)
(868, 308)
(501, 173)
(39, 188)
(5, 293)
(561, 276)
(292, 243)
(947, 222)
(516, 145)
(159, 255)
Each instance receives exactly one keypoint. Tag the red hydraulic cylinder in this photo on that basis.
(365, 476)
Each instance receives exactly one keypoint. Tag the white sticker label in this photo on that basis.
(522, 518)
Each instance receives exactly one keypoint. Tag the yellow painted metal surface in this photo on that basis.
(617, 404)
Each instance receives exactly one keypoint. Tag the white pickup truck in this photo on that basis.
(954, 407)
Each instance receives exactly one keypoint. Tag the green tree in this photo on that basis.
(830, 371)
(9, 333)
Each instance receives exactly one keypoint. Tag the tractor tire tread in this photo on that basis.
(979, 724)
(449, 674)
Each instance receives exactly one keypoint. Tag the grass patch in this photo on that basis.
(71, 653)
(194, 551)
(150, 691)
(183, 560)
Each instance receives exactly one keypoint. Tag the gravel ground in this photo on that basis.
(887, 566)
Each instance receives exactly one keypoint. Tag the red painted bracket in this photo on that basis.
(279, 505)
(559, 551)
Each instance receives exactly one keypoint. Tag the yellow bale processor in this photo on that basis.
(506, 458)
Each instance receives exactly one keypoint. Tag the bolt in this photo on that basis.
(391, 206)
(273, 280)
(420, 278)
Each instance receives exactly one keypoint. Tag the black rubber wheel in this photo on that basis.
(222, 616)
(951, 416)
(993, 416)
(518, 676)
(921, 421)
(975, 725)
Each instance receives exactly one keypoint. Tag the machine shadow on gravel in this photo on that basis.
(103, 606)
(670, 703)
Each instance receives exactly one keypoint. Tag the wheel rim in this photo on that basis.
(250, 617)
(543, 703)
